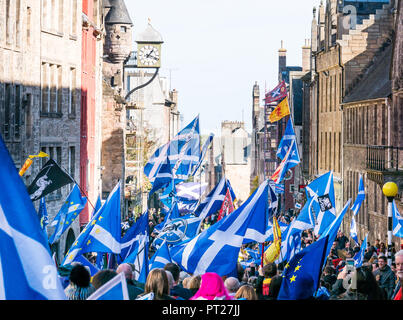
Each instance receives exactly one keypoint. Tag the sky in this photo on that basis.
(215, 50)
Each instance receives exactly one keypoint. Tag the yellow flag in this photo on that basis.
(282, 110)
(29, 161)
(273, 251)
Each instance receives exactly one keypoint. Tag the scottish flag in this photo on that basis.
(161, 257)
(360, 197)
(43, 215)
(397, 222)
(214, 200)
(84, 261)
(114, 289)
(139, 257)
(291, 238)
(138, 233)
(203, 152)
(216, 248)
(175, 159)
(334, 227)
(103, 232)
(353, 230)
(69, 211)
(359, 257)
(98, 206)
(302, 273)
(27, 270)
(286, 141)
(322, 188)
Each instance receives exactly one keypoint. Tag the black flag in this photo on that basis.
(50, 178)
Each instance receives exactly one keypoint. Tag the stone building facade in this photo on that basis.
(39, 90)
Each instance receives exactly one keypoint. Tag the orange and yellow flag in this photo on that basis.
(28, 162)
(273, 251)
(282, 110)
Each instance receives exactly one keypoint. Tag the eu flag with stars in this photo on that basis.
(302, 273)
(69, 211)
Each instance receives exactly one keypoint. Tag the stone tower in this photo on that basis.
(117, 48)
(282, 60)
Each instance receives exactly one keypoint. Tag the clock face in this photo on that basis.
(148, 56)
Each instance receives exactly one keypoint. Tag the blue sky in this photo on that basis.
(214, 51)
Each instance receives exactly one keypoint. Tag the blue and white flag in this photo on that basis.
(291, 239)
(360, 197)
(139, 258)
(137, 233)
(216, 248)
(353, 230)
(333, 228)
(290, 160)
(323, 189)
(397, 222)
(175, 159)
(190, 190)
(214, 200)
(171, 215)
(84, 261)
(43, 215)
(103, 232)
(98, 206)
(114, 289)
(203, 152)
(359, 257)
(178, 231)
(161, 257)
(287, 141)
(283, 228)
(69, 211)
(27, 270)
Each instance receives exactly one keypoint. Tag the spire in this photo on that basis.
(118, 13)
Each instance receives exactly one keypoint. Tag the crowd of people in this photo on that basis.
(374, 280)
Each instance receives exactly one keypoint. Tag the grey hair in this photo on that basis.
(399, 253)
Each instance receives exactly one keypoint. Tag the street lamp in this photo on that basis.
(390, 189)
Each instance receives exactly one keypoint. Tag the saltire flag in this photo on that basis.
(103, 232)
(50, 178)
(213, 202)
(69, 211)
(282, 110)
(302, 273)
(148, 296)
(397, 222)
(190, 190)
(291, 238)
(273, 251)
(172, 214)
(137, 233)
(279, 92)
(27, 270)
(178, 231)
(353, 230)
(114, 289)
(29, 161)
(175, 159)
(98, 206)
(161, 257)
(323, 189)
(203, 152)
(283, 226)
(139, 258)
(279, 188)
(84, 261)
(286, 141)
(227, 206)
(360, 197)
(216, 248)
(359, 257)
(43, 215)
(290, 160)
(332, 229)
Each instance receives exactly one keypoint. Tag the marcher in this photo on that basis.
(177, 290)
(80, 287)
(263, 282)
(102, 277)
(385, 276)
(232, 285)
(211, 288)
(246, 292)
(157, 283)
(397, 294)
(131, 287)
